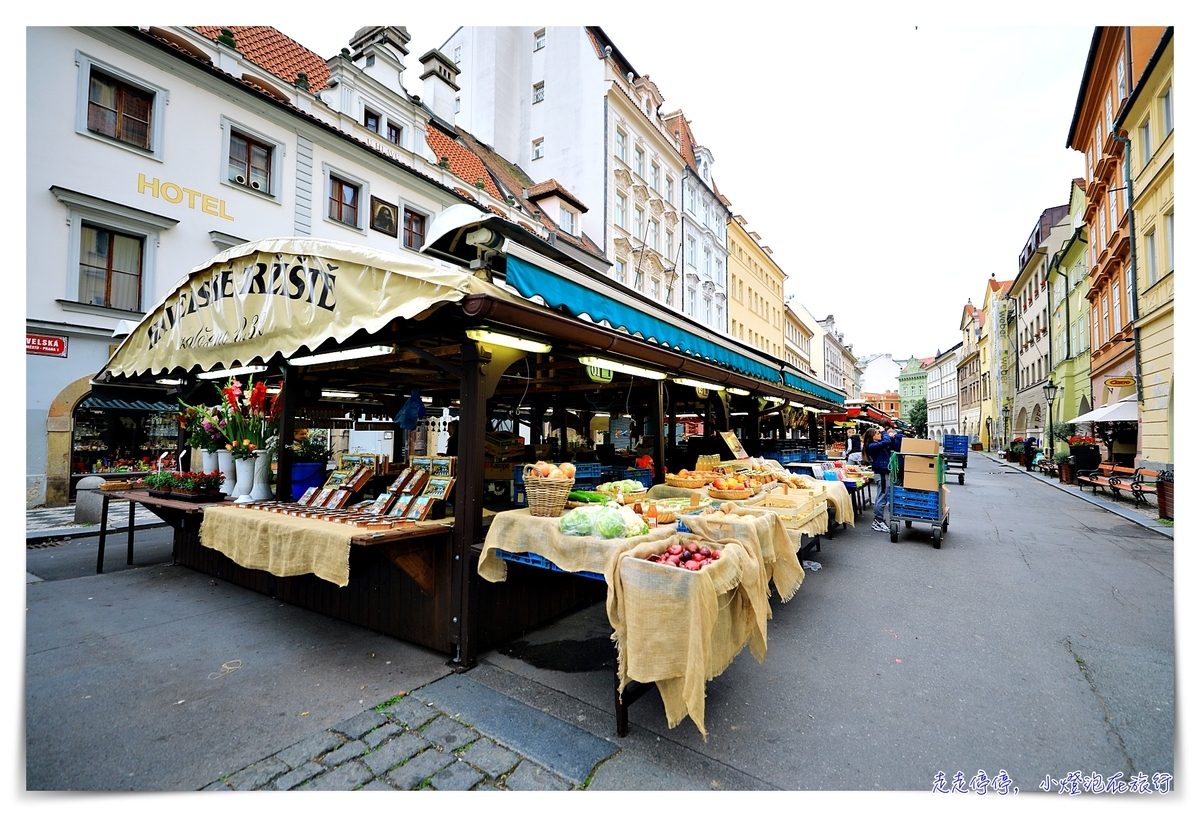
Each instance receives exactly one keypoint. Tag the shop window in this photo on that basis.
(107, 440)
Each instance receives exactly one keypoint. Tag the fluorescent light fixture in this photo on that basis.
(218, 374)
(687, 416)
(512, 342)
(427, 400)
(776, 400)
(741, 392)
(601, 414)
(273, 390)
(336, 394)
(624, 368)
(697, 384)
(739, 413)
(167, 381)
(342, 354)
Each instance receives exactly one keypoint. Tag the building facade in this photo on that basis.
(942, 394)
(995, 340)
(968, 374)
(756, 282)
(797, 338)
(837, 358)
(1070, 318)
(1149, 119)
(913, 385)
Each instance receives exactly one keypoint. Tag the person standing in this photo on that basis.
(1029, 453)
(877, 449)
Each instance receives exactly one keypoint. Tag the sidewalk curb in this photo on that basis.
(43, 534)
(1107, 505)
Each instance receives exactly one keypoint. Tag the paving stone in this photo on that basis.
(297, 776)
(424, 765)
(532, 777)
(217, 786)
(347, 777)
(492, 759)
(360, 724)
(305, 750)
(410, 712)
(381, 734)
(339, 756)
(257, 775)
(394, 752)
(376, 785)
(448, 734)
(458, 776)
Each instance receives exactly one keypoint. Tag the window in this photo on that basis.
(639, 158)
(669, 188)
(1144, 138)
(720, 316)
(654, 176)
(1089, 164)
(653, 237)
(670, 294)
(249, 162)
(691, 198)
(669, 243)
(1103, 229)
(707, 261)
(370, 60)
(1121, 77)
(394, 133)
(1104, 318)
(619, 270)
(637, 280)
(691, 302)
(414, 229)
(110, 268)
(1108, 120)
(1112, 208)
(638, 216)
(1129, 286)
(539, 92)
(620, 150)
(539, 148)
(539, 40)
(654, 288)
(1168, 112)
(619, 212)
(691, 252)
(1170, 220)
(708, 310)
(119, 110)
(1099, 142)
(370, 120)
(458, 104)
(343, 201)
(567, 221)
(457, 54)
(1116, 303)
(1151, 258)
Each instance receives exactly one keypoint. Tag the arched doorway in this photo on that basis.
(59, 425)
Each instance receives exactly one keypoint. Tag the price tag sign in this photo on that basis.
(49, 345)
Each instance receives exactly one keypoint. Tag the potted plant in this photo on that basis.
(162, 482)
(309, 458)
(1016, 449)
(1066, 469)
(1085, 451)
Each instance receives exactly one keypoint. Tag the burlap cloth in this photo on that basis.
(279, 544)
(760, 530)
(519, 532)
(680, 628)
(839, 500)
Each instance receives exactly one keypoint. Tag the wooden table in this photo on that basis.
(171, 511)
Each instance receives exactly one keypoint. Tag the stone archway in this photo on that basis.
(59, 425)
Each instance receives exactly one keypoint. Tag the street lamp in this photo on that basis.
(1004, 414)
(1050, 390)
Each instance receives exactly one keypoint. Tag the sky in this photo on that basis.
(891, 169)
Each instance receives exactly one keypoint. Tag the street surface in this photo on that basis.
(1038, 641)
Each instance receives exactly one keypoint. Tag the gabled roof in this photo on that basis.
(551, 187)
(274, 51)
(463, 162)
(1000, 286)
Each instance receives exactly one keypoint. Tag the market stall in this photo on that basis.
(325, 318)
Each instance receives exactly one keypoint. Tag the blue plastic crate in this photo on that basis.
(533, 560)
(588, 470)
(518, 495)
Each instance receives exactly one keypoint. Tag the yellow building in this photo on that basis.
(755, 291)
(992, 347)
(1149, 118)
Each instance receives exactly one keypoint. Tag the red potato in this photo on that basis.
(675, 550)
(693, 565)
(673, 559)
(716, 554)
(691, 547)
(705, 552)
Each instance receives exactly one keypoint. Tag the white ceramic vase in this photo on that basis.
(209, 461)
(225, 466)
(261, 489)
(245, 479)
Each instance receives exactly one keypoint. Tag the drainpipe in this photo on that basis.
(1137, 332)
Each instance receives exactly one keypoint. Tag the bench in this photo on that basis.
(1117, 478)
(1048, 467)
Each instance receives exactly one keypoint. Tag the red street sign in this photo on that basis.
(52, 345)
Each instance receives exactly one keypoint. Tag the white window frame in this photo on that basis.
(708, 262)
(638, 216)
(691, 301)
(567, 220)
(655, 173)
(539, 148)
(389, 123)
(457, 54)
(424, 212)
(539, 40)
(691, 198)
(639, 160)
(668, 243)
(639, 279)
(379, 119)
(1129, 283)
(619, 211)
(1147, 145)
(1116, 306)
(157, 110)
(364, 198)
(669, 187)
(654, 288)
(1121, 77)
(278, 151)
(619, 270)
(619, 146)
(653, 235)
(691, 252)
(539, 92)
(106, 214)
(1166, 106)
(1151, 257)
(1104, 314)
(458, 104)
(1169, 219)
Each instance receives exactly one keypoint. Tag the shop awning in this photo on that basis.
(281, 295)
(1122, 411)
(127, 405)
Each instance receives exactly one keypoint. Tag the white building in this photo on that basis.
(563, 103)
(839, 366)
(881, 374)
(151, 150)
(941, 394)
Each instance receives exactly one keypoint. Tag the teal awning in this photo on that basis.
(808, 387)
(557, 291)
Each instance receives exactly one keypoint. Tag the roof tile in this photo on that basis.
(274, 51)
(463, 163)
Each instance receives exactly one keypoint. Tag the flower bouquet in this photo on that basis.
(1081, 439)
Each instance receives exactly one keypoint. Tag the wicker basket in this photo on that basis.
(730, 495)
(546, 497)
(629, 499)
(686, 482)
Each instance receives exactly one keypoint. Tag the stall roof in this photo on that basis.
(1124, 410)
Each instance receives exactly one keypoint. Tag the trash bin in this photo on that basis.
(1166, 495)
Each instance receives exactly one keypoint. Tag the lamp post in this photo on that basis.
(1004, 435)
(1050, 390)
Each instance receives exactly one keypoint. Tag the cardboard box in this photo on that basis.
(920, 473)
(911, 445)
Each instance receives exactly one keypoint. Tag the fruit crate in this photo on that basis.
(533, 560)
(915, 504)
(612, 473)
(593, 471)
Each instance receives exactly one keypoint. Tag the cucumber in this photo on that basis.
(587, 496)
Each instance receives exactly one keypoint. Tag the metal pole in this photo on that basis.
(468, 504)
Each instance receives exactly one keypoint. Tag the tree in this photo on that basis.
(918, 416)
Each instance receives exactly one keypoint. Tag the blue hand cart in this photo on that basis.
(908, 505)
(955, 448)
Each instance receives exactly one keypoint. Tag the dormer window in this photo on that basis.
(566, 220)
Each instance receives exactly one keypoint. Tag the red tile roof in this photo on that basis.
(274, 51)
(551, 187)
(463, 163)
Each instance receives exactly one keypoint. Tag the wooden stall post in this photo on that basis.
(290, 396)
(671, 432)
(660, 443)
(754, 424)
(468, 504)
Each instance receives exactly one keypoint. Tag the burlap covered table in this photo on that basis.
(839, 500)
(760, 530)
(279, 544)
(681, 628)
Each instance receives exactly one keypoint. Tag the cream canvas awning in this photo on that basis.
(279, 295)
(1124, 410)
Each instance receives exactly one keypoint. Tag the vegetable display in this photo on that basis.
(603, 521)
(623, 486)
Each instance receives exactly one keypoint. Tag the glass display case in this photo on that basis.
(108, 441)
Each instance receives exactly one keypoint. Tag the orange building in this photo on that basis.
(888, 402)
(1117, 57)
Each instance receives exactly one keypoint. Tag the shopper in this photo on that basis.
(877, 449)
(854, 453)
(1029, 453)
(452, 440)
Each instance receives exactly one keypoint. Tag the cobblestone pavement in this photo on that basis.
(401, 745)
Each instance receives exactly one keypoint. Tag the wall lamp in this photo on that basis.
(625, 368)
(217, 374)
(342, 354)
(498, 339)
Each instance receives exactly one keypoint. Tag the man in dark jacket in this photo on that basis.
(879, 452)
(1029, 453)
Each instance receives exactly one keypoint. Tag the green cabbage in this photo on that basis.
(578, 521)
(610, 523)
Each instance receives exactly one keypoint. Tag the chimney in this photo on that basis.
(438, 73)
